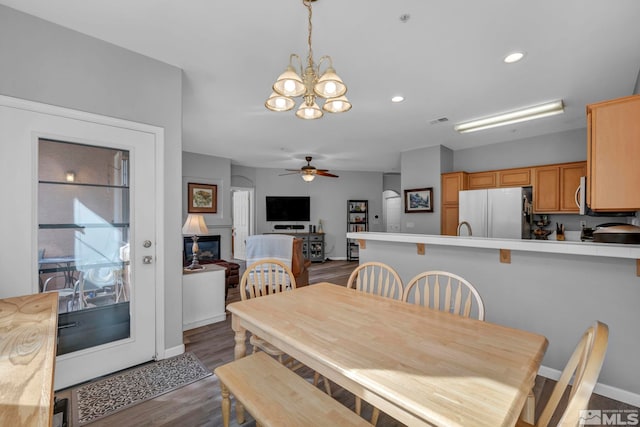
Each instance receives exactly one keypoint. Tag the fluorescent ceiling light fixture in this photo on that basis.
(397, 98)
(513, 57)
(530, 113)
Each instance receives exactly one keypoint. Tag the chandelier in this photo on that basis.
(312, 85)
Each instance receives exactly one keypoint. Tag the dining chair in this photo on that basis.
(379, 279)
(376, 278)
(584, 367)
(445, 291)
(266, 277)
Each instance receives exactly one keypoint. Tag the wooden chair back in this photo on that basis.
(376, 278)
(264, 277)
(584, 367)
(445, 291)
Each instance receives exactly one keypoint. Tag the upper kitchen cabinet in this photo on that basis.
(480, 180)
(613, 154)
(520, 177)
(555, 187)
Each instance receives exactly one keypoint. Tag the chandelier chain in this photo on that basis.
(307, 3)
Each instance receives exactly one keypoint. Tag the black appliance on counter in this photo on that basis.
(613, 232)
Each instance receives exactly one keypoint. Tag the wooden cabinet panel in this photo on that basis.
(480, 180)
(514, 177)
(546, 197)
(451, 184)
(569, 183)
(449, 220)
(614, 154)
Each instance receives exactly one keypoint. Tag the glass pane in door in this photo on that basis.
(83, 240)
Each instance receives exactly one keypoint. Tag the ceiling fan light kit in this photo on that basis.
(529, 113)
(308, 172)
(313, 84)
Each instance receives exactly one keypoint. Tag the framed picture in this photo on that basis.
(203, 198)
(418, 200)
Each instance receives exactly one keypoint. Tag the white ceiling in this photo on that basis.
(446, 60)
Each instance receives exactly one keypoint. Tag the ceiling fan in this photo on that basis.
(309, 172)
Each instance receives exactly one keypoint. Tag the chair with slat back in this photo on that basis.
(445, 291)
(265, 277)
(584, 367)
(376, 278)
(379, 279)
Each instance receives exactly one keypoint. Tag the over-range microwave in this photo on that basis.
(581, 201)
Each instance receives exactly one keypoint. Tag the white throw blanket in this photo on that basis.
(276, 246)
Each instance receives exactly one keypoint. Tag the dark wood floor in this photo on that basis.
(198, 404)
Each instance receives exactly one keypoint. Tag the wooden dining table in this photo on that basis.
(418, 365)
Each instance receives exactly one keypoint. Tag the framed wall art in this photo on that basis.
(203, 198)
(418, 200)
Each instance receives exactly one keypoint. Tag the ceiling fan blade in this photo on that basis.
(290, 173)
(323, 173)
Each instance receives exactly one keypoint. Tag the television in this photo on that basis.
(288, 208)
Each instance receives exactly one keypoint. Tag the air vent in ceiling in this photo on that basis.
(440, 120)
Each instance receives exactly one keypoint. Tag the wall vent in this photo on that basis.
(440, 120)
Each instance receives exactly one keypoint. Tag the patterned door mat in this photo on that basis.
(109, 395)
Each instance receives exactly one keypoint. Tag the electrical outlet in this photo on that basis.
(583, 224)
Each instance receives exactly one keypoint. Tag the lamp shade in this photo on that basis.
(289, 83)
(194, 225)
(309, 112)
(330, 85)
(337, 105)
(277, 102)
(308, 176)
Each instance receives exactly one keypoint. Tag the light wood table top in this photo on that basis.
(421, 366)
(28, 331)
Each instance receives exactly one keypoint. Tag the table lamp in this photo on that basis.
(193, 226)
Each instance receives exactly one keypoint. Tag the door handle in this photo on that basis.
(147, 259)
(147, 243)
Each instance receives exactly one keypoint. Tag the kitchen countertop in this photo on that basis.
(569, 247)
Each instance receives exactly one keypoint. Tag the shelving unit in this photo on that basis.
(357, 220)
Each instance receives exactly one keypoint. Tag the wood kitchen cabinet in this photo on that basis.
(451, 184)
(555, 186)
(520, 177)
(479, 180)
(613, 154)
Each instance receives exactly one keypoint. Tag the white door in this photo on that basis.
(241, 222)
(392, 211)
(24, 125)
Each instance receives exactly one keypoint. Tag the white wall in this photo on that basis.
(569, 146)
(202, 169)
(47, 63)
(421, 168)
(328, 200)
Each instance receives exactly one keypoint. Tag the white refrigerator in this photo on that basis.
(496, 212)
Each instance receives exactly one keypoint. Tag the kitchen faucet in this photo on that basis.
(468, 227)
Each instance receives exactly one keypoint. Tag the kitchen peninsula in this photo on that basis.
(552, 288)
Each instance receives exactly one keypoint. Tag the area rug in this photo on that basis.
(109, 395)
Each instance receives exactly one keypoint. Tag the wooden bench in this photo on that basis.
(276, 396)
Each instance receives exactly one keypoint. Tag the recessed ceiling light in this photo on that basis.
(513, 57)
(397, 98)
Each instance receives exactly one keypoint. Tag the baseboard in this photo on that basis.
(601, 389)
(170, 352)
(215, 319)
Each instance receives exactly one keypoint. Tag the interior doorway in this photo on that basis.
(243, 215)
(392, 208)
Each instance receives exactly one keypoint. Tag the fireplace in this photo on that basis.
(209, 249)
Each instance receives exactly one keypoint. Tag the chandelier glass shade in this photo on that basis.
(314, 84)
